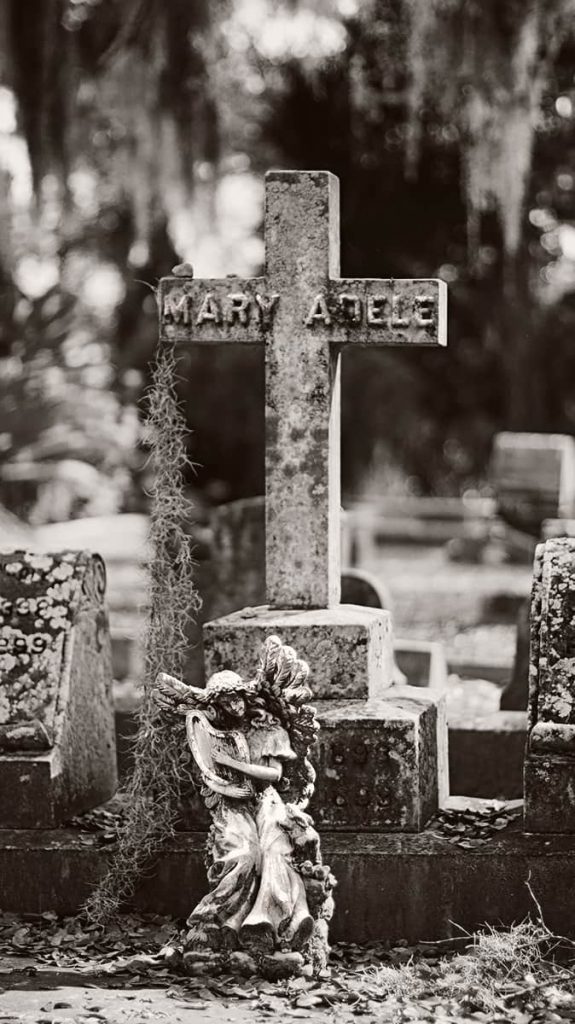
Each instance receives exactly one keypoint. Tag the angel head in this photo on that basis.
(229, 691)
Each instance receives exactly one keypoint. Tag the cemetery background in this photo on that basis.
(80, 327)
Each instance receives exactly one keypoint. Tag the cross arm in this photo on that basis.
(370, 311)
(228, 309)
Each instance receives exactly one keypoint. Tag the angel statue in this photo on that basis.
(270, 894)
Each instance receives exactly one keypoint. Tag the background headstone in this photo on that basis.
(516, 693)
(57, 743)
(236, 573)
(533, 476)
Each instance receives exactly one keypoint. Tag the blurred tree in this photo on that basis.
(118, 87)
(450, 124)
(114, 102)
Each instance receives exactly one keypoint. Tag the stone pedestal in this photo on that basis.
(349, 649)
(377, 762)
(381, 756)
(57, 742)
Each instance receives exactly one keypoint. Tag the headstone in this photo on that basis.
(57, 744)
(549, 774)
(237, 556)
(361, 587)
(304, 313)
(422, 662)
(553, 528)
(534, 478)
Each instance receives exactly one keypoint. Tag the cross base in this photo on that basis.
(379, 763)
(381, 754)
(349, 648)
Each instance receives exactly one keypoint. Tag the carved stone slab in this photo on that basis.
(350, 647)
(550, 760)
(57, 744)
(379, 763)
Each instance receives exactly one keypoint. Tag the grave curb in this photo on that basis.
(392, 886)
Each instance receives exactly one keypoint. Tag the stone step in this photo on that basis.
(390, 886)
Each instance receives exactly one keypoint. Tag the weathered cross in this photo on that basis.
(304, 313)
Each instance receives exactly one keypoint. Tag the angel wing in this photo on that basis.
(282, 673)
(171, 694)
(282, 680)
(205, 743)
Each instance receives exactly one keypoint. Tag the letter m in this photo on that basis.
(176, 307)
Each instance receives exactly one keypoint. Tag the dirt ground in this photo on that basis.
(92, 1004)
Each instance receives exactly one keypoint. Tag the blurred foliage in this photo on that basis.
(450, 125)
(58, 409)
(420, 207)
(121, 86)
(113, 101)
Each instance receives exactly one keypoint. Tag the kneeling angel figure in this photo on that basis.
(270, 893)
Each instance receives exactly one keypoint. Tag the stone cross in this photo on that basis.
(304, 313)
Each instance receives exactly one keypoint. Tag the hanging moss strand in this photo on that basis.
(172, 601)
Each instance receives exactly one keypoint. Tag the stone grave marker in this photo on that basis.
(534, 478)
(57, 743)
(304, 313)
(549, 773)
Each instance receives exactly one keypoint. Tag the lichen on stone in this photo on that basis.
(39, 599)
